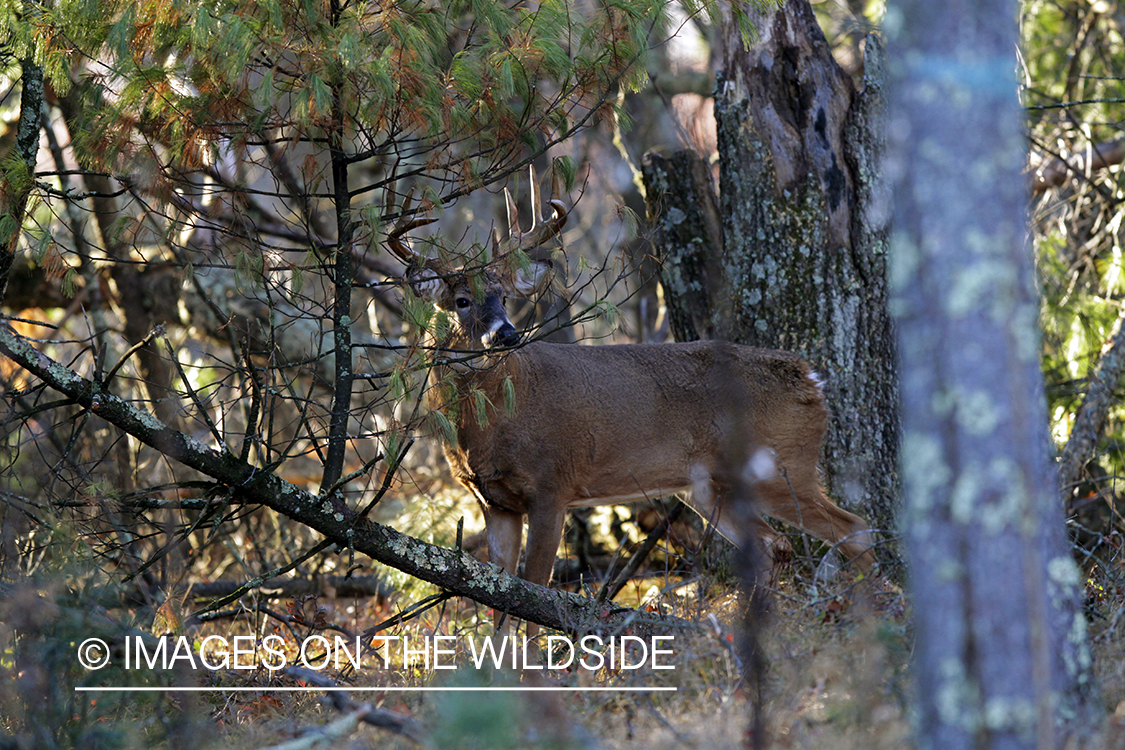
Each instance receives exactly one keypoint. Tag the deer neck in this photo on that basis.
(459, 378)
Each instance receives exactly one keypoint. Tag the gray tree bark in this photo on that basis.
(1001, 659)
(798, 259)
(688, 240)
(16, 179)
(806, 235)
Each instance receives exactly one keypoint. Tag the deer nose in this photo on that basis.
(504, 334)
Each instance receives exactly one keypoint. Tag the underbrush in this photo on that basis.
(834, 670)
(837, 654)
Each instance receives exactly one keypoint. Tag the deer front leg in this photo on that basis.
(504, 530)
(544, 531)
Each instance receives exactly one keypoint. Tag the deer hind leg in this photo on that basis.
(776, 547)
(796, 498)
(714, 504)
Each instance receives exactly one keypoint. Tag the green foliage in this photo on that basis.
(392, 446)
(482, 79)
(476, 286)
(480, 406)
(43, 241)
(248, 269)
(296, 283)
(509, 390)
(630, 219)
(8, 224)
(472, 721)
(47, 619)
(15, 173)
(566, 169)
(417, 312)
(1074, 68)
(70, 283)
(439, 424)
(605, 310)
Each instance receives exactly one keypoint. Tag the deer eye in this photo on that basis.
(462, 303)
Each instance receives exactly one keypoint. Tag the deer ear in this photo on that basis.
(425, 283)
(535, 279)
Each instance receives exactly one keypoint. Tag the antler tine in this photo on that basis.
(541, 229)
(535, 211)
(513, 216)
(555, 225)
(405, 224)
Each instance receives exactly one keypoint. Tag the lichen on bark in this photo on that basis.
(806, 226)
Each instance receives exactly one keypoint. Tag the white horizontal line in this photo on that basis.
(294, 689)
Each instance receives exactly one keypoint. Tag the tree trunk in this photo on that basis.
(1001, 659)
(806, 236)
(803, 238)
(688, 240)
(16, 179)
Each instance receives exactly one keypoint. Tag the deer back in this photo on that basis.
(610, 423)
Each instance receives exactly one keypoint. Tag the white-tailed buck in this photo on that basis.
(567, 425)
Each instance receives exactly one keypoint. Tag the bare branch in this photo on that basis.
(1097, 156)
(454, 570)
(1090, 417)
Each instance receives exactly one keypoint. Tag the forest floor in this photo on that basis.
(837, 668)
(837, 676)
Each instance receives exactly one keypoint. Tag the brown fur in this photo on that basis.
(592, 425)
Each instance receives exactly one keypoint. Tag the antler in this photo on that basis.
(405, 224)
(541, 229)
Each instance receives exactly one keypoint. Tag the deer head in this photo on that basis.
(472, 297)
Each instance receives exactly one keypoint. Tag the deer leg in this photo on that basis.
(798, 500)
(733, 522)
(544, 532)
(776, 547)
(504, 530)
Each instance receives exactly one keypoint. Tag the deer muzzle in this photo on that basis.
(502, 333)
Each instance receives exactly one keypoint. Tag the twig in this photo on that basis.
(258, 581)
(253, 434)
(376, 717)
(414, 610)
(368, 466)
(356, 586)
(391, 471)
(613, 586)
(157, 331)
(195, 397)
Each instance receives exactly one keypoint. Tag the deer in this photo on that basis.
(571, 425)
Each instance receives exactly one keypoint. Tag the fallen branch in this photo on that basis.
(452, 570)
(340, 586)
(1056, 171)
(362, 712)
